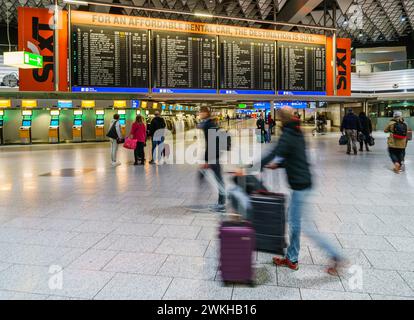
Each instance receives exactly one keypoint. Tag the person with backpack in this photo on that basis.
(139, 133)
(397, 140)
(366, 130)
(350, 126)
(156, 133)
(290, 153)
(115, 136)
(212, 155)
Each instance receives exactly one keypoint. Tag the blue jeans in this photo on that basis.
(295, 213)
(157, 148)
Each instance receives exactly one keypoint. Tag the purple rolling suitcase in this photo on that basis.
(237, 244)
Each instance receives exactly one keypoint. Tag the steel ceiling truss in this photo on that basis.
(382, 20)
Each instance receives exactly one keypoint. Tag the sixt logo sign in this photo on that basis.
(36, 28)
(341, 57)
(343, 61)
(43, 34)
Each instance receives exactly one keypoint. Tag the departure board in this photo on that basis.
(184, 60)
(247, 64)
(106, 57)
(301, 67)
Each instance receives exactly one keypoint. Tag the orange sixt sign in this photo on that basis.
(36, 35)
(343, 66)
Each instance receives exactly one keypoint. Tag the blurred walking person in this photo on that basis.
(397, 140)
(156, 132)
(290, 153)
(212, 155)
(351, 126)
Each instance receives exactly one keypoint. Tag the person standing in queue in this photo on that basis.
(290, 153)
(156, 132)
(366, 130)
(139, 133)
(351, 126)
(212, 156)
(397, 141)
(115, 136)
(228, 121)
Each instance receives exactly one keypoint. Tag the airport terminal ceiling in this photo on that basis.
(364, 21)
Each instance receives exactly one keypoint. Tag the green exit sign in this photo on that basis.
(242, 106)
(34, 60)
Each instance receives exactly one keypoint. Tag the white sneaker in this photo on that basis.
(115, 164)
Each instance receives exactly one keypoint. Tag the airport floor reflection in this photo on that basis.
(73, 227)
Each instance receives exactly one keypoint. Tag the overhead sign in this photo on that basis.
(131, 22)
(120, 103)
(23, 60)
(64, 104)
(343, 67)
(5, 103)
(88, 103)
(29, 103)
(35, 35)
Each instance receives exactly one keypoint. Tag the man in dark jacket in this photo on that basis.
(290, 153)
(366, 130)
(212, 154)
(260, 124)
(351, 126)
(156, 133)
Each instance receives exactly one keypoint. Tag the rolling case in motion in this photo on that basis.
(266, 211)
(237, 245)
(268, 220)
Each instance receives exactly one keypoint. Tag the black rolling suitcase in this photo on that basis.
(268, 220)
(266, 211)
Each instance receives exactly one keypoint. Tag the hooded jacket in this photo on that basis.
(291, 148)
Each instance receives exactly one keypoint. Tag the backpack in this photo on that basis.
(112, 132)
(400, 130)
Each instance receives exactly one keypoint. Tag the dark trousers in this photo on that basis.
(139, 153)
(216, 168)
(361, 145)
(396, 155)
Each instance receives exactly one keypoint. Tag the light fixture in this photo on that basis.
(80, 3)
(345, 22)
(203, 15)
(361, 35)
(403, 19)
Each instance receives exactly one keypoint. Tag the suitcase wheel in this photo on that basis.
(251, 284)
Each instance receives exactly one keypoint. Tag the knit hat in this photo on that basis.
(397, 114)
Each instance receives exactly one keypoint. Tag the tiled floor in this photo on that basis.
(99, 232)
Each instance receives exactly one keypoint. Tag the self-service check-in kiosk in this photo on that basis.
(1, 126)
(99, 125)
(122, 121)
(77, 125)
(25, 130)
(54, 126)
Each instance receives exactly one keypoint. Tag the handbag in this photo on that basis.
(130, 143)
(343, 140)
(361, 137)
(371, 141)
